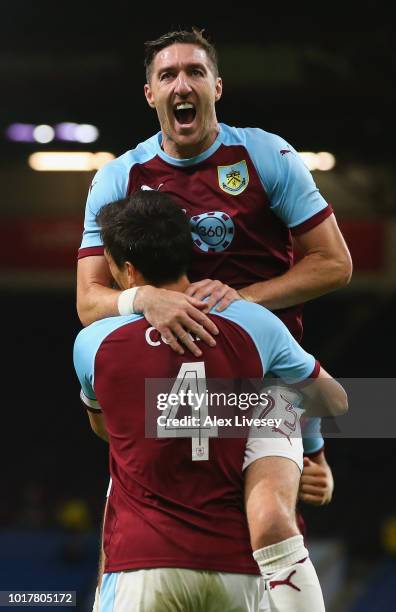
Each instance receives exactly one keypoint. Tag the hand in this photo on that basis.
(316, 484)
(218, 293)
(174, 315)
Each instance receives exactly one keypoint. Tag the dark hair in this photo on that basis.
(195, 37)
(149, 230)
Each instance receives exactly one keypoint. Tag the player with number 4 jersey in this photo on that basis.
(169, 508)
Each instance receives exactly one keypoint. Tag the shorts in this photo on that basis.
(257, 448)
(180, 590)
(282, 440)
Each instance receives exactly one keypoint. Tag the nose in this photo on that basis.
(182, 85)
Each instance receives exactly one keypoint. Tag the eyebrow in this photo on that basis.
(190, 65)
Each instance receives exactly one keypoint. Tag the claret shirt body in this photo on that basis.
(245, 197)
(166, 509)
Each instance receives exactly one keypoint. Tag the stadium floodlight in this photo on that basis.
(20, 132)
(43, 133)
(309, 159)
(325, 160)
(86, 133)
(67, 131)
(318, 161)
(68, 161)
(76, 132)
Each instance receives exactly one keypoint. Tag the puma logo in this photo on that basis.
(275, 583)
(147, 188)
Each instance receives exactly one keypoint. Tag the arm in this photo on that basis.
(98, 425)
(296, 201)
(323, 396)
(170, 312)
(325, 265)
(95, 297)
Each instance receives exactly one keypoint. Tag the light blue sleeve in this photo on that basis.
(109, 184)
(312, 436)
(84, 358)
(288, 183)
(280, 353)
(87, 345)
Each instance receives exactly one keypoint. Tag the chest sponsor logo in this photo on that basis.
(212, 232)
(233, 179)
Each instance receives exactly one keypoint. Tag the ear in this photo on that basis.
(149, 95)
(219, 89)
(131, 273)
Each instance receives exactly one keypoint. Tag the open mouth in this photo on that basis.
(185, 113)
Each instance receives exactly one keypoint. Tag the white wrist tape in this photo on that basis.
(126, 300)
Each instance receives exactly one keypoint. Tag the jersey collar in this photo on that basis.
(191, 160)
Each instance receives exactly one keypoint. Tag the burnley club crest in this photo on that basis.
(233, 179)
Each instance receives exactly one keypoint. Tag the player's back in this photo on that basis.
(165, 508)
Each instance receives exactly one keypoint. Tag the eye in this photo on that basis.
(197, 72)
(164, 76)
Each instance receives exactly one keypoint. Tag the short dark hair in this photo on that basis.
(149, 230)
(195, 37)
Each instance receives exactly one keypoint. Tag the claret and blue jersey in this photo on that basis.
(166, 510)
(245, 197)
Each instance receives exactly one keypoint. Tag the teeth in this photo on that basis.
(184, 105)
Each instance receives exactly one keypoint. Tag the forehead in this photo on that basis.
(180, 54)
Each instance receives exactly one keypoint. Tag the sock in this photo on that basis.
(290, 578)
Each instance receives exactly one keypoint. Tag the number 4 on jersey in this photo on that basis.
(190, 382)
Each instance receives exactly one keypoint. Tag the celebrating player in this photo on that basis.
(246, 193)
(175, 533)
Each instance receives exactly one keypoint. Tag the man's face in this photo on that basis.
(183, 89)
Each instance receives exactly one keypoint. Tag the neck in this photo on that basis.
(180, 285)
(188, 150)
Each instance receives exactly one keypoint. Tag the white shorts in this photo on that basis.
(257, 448)
(283, 439)
(180, 590)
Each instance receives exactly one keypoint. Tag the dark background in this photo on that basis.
(324, 81)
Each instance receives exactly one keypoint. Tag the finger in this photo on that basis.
(216, 296)
(198, 304)
(314, 479)
(226, 301)
(208, 290)
(314, 470)
(201, 319)
(187, 340)
(171, 340)
(194, 287)
(198, 330)
(312, 490)
(312, 499)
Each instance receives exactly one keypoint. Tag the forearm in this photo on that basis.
(96, 302)
(98, 425)
(324, 396)
(311, 277)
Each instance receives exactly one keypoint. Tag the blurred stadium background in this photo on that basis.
(324, 83)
